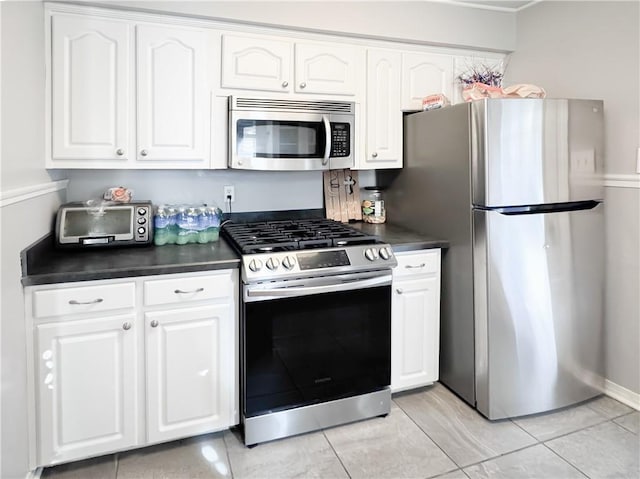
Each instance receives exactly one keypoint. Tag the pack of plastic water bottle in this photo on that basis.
(184, 224)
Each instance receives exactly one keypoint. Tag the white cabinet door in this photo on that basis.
(173, 100)
(326, 68)
(86, 387)
(190, 358)
(425, 74)
(415, 332)
(91, 90)
(384, 114)
(261, 64)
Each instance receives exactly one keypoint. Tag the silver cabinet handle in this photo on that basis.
(285, 84)
(154, 323)
(179, 291)
(399, 291)
(143, 152)
(374, 154)
(126, 326)
(303, 85)
(421, 265)
(93, 301)
(119, 152)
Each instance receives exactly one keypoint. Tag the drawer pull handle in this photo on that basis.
(179, 291)
(126, 326)
(154, 323)
(421, 265)
(93, 301)
(399, 291)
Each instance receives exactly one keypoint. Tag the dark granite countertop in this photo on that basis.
(400, 238)
(43, 263)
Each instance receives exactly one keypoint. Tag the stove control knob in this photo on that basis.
(289, 262)
(273, 263)
(255, 265)
(385, 253)
(371, 254)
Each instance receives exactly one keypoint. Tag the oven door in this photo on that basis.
(264, 140)
(310, 341)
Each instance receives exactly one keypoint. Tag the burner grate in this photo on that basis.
(289, 235)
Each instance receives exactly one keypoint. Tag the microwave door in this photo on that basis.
(279, 141)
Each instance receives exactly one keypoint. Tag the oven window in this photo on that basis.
(280, 139)
(311, 349)
(97, 222)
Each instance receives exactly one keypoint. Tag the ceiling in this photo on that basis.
(507, 5)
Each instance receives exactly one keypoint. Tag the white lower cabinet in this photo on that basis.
(415, 320)
(86, 386)
(188, 371)
(110, 372)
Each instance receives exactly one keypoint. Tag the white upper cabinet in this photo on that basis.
(277, 64)
(128, 95)
(173, 101)
(425, 74)
(256, 64)
(384, 113)
(91, 91)
(326, 68)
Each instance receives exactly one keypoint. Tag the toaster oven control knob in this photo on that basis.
(142, 211)
(371, 254)
(288, 262)
(255, 265)
(142, 221)
(273, 263)
(142, 230)
(385, 253)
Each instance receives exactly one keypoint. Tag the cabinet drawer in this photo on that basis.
(417, 263)
(188, 289)
(83, 299)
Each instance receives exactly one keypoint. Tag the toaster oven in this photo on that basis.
(83, 225)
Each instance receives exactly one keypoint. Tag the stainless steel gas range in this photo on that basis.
(315, 326)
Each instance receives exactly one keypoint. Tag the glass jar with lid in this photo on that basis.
(373, 210)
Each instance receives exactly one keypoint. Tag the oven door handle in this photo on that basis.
(327, 139)
(291, 292)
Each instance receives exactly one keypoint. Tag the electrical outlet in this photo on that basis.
(583, 161)
(229, 193)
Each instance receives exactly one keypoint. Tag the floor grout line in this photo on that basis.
(336, 453)
(226, 450)
(567, 461)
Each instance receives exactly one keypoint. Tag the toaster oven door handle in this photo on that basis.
(327, 139)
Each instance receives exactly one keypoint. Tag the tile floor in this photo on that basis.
(429, 433)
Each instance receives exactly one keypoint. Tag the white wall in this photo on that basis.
(21, 221)
(426, 22)
(592, 50)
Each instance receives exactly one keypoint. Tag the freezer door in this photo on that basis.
(531, 151)
(538, 303)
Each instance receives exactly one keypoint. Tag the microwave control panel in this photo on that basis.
(340, 140)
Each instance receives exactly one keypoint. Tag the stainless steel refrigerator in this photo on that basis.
(516, 187)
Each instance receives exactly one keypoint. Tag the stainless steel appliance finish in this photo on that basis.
(318, 416)
(516, 187)
(108, 224)
(281, 134)
(315, 326)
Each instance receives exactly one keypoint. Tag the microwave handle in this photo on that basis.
(327, 141)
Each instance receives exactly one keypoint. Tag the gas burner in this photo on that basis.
(291, 235)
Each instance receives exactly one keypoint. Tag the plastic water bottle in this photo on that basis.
(161, 226)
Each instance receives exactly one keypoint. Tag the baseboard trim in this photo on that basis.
(622, 181)
(624, 395)
(25, 193)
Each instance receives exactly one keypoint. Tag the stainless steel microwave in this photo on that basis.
(106, 224)
(282, 134)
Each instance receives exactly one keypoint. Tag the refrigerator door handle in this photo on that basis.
(537, 209)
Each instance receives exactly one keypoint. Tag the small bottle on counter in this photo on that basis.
(373, 210)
